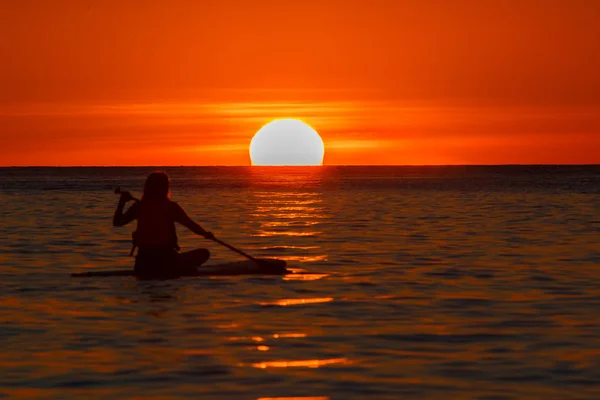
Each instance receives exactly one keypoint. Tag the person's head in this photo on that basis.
(157, 186)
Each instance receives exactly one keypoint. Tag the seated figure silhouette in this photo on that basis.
(156, 237)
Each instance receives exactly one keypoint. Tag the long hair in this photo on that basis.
(157, 187)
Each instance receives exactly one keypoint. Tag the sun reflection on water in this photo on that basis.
(304, 277)
(304, 258)
(289, 217)
(289, 335)
(286, 233)
(290, 223)
(299, 363)
(294, 302)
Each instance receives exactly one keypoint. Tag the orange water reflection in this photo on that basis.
(304, 258)
(304, 277)
(293, 302)
(290, 223)
(289, 335)
(285, 247)
(277, 206)
(290, 218)
(299, 363)
(289, 215)
(286, 233)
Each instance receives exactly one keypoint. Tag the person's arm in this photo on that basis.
(181, 217)
(120, 219)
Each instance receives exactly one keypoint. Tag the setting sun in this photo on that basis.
(286, 142)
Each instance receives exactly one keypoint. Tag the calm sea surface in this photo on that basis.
(428, 283)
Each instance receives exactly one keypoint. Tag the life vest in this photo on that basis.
(155, 226)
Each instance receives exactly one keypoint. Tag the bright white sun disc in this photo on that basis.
(287, 142)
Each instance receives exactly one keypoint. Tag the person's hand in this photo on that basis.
(126, 196)
(208, 235)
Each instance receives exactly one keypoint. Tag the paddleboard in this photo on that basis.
(247, 267)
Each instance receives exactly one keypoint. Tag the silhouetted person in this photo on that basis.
(155, 236)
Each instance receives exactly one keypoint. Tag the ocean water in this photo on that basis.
(424, 283)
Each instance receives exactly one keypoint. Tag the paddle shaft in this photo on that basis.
(230, 247)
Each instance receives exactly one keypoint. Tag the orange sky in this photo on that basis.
(383, 81)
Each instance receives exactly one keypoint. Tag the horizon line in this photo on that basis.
(304, 166)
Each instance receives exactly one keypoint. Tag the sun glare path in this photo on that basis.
(299, 363)
(293, 302)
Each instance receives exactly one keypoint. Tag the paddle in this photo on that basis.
(230, 247)
(271, 263)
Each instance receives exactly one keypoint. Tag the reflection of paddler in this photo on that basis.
(156, 236)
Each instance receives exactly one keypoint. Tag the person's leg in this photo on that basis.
(156, 263)
(188, 261)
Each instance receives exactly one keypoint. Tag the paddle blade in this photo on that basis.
(273, 266)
